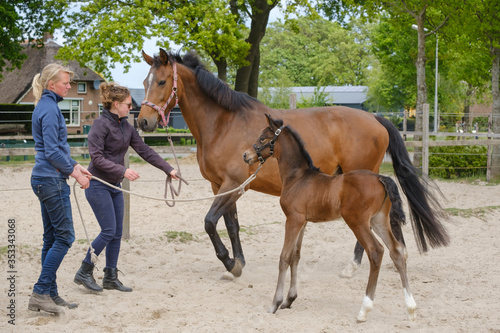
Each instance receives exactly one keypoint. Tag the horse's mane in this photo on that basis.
(215, 88)
(300, 143)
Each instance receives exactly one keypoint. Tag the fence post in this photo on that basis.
(488, 158)
(425, 139)
(126, 196)
(405, 123)
(293, 101)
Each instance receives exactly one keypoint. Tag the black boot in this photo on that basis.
(85, 278)
(61, 302)
(110, 280)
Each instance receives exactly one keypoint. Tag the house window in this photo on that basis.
(100, 109)
(70, 109)
(82, 87)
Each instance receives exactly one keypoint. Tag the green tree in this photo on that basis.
(392, 83)
(102, 33)
(25, 21)
(481, 28)
(312, 52)
(428, 15)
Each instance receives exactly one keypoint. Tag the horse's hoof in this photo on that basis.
(412, 315)
(349, 270)
(237, 268)
(273, 309)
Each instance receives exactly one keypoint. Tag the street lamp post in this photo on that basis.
(415, 27)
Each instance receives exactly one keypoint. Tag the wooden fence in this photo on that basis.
(487, 139)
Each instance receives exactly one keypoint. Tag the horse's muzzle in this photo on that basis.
(246, 157)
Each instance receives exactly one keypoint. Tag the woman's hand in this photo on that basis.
(173, 174)
(131, 175)
(80, 174)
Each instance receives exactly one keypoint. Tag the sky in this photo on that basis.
(138, 71)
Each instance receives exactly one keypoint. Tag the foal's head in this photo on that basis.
(264, 146)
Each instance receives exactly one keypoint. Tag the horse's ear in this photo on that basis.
(163, 57)
(272, 123)
(269, 119)
(148, 59)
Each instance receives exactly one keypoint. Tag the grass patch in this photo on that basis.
(181, 236)
(386, 169)
(472, 212)
(3, 250)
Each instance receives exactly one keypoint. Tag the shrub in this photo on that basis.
(458, 161)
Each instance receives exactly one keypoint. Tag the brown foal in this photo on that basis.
(366, 201)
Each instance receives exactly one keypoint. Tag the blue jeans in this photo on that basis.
(58, 232)
(107, 204)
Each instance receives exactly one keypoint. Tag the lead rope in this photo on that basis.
(241, 189)
(93, 256)
(168, 182)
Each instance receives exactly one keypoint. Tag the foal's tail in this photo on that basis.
(425, 210)
(397, 214)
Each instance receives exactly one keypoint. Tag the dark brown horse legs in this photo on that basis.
(355, 262)
(233, 230)
(226, 206)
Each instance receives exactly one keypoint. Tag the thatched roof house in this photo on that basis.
(82, 104)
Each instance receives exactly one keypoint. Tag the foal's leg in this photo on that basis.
(355, 262)
(292, 292)
(398, 256)
(292, 230)
(374, 252)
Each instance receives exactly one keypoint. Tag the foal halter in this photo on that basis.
(270, 144)
(161, 110)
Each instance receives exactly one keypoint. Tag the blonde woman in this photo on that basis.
(108, 140)
(53, 166)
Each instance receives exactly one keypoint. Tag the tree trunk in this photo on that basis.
(221, 68)
(247, 77)
(495, 92)
(421, 89)
(469, 94)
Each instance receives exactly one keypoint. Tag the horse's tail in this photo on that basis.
(425, 210)
(397, 214)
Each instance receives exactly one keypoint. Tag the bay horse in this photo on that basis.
(225, 122)
(365, 200)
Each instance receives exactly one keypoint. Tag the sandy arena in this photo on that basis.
(180, 285)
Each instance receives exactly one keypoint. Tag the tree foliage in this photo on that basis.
(312, 52)
(25, 21)
(102, 34)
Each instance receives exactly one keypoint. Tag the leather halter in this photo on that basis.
(270, 144)
(161, 110)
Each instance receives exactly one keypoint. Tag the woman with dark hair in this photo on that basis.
(108, 141)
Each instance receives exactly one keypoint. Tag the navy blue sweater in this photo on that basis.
(49, 132)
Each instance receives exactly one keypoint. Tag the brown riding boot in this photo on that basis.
(43, 302)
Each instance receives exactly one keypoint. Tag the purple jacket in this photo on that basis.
(109, 139)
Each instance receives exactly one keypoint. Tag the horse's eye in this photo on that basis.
(162, 83)
(262, 139)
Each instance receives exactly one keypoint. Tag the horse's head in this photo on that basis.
(161, 90)
(264, 145)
